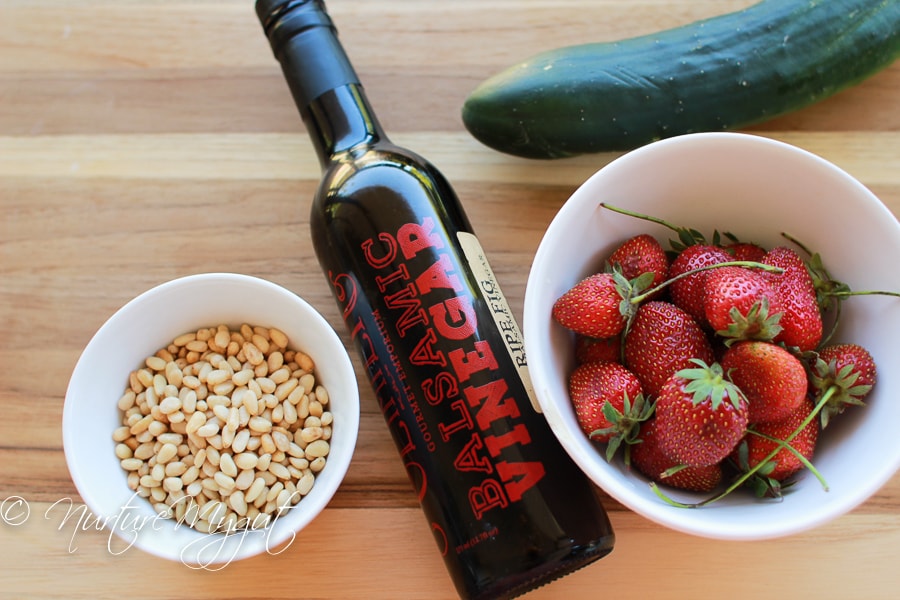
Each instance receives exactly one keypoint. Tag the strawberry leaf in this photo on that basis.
(708, 382)
(758, 324)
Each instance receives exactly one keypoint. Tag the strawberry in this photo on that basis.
(593, 306)
(745, 251)
(648, 458)
(688, 293)
(773, 380)
(848, 372)
(608, 403)
(801, 321)
(700, 415)
(638, 255)
(762, 439)
(741, 303)
(661, 340)
(588, 349)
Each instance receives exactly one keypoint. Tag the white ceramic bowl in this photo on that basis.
(137, 330)
(756, 188)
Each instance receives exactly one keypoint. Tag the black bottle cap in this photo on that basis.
(304, 40)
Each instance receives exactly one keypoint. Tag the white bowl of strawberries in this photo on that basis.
(702, 341)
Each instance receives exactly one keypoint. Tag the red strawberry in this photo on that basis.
(847, 368)
(608, 402)
(700, 415)
(773, 380)
(688, 293)
(785, 463)
(641, 254)
(741, 303)
(650, 460)
(662, 340)
(588, 349)
(801, 323)
(592, 307)
(745, 251)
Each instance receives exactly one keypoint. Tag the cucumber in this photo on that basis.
(721, 73)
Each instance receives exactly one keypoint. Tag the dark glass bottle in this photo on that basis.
(508, 508)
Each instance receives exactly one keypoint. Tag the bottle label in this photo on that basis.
(444, 385)
(499, 308)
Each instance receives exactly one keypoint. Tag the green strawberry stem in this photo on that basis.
(686, 236)
(745, 476)
(803, 460)
(847, 293)
(732, 263)
(642, 216)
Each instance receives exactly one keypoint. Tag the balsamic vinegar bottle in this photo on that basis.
(508, 508)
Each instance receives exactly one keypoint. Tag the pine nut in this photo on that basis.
(266, 385)
(184, 339)
(176, 469)
(240, 440)
(281, 440)
(311, 434)
(226, 464)
(255, 489)
(316, 409)
(197, 420)
(244, 479)
(317, 448)
(144, 451)
(275, 364)
(304, 486)
(208, 430)
(155, 363)
(281, 392)
(225, 481)
(227, 437)
(237, 502)
(250, 402)
(305, 362)
(172, 484)
(279, 470)
(170, 405)
(149, 482)
(258, 424)
(213, 457)
(242, 377)
(141, 425)
(267, 444)
(246, 460)
(167, 453)
(174, 375)
(278, 338)
(197, 346)
(127, 400)
(131, 464)
(223, 338)
(252, 353)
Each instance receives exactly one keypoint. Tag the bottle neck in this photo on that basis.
(318, 72)
(340, 120)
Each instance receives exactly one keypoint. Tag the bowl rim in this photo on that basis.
(285, 527)
(684, 520)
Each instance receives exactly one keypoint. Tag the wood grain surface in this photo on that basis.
(143, 140)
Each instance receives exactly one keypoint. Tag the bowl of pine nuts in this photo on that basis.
(210, 419)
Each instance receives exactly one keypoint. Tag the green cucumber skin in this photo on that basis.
(717, 74)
